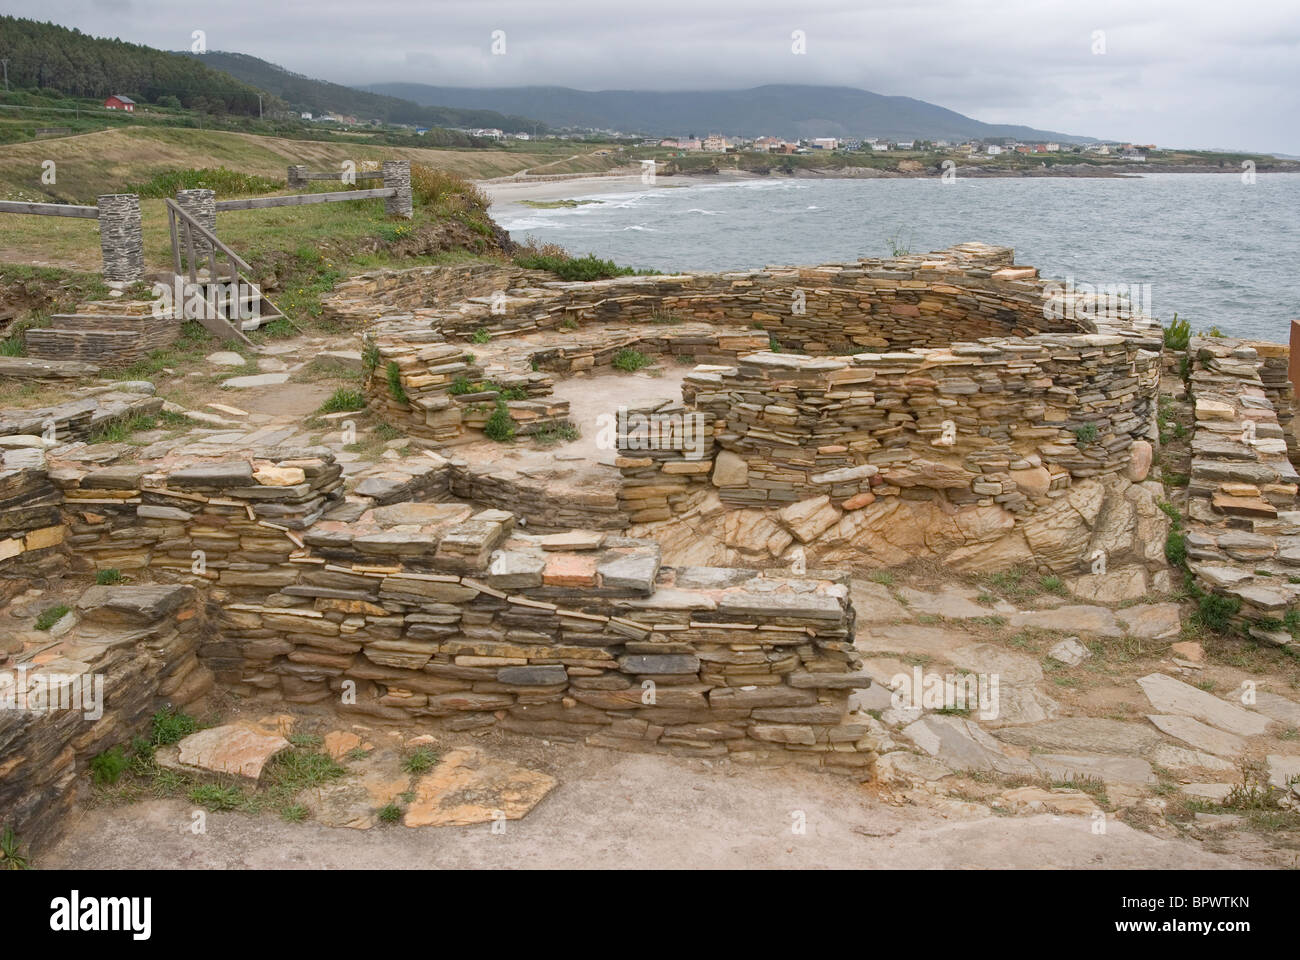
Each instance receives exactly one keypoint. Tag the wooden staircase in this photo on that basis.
(225, 267)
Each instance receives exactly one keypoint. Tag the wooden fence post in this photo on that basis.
(121, 238)
(397, 175)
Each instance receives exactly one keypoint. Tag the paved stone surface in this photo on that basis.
(1168, 695)
(1200, 736)
(468, 786)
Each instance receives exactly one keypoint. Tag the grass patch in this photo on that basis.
(108, 767)
(50, 617)
(171, 726)
(395, 388)
(548, 435)
(630, 361)
(566, 267)
(500, 426)
(1086, 434)
(343, 399)
(109, 576)
(390, 813)
(10, 856)
(420, 760)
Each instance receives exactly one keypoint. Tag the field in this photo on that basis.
(91, 164)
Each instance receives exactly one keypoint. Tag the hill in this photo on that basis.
(47, 56)
(320, 96)
(781, 110)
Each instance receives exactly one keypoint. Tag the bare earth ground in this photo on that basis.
(614, 810)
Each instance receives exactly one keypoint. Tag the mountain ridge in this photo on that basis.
(786, 110)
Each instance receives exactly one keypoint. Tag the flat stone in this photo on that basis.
(569, 570)
(1073, 618)
(1277, 708)
(809, 519)
(511, 570)
(1168, 695)
(730, 470)
(1199, 735)
(632, 572)
(1068, 766)
(1039, 800)
(256, 380)
(225, 358)
(962, 745)
(1084, 735)
(542, 675)
(1282, 768)
(573, 540)
(468, 787)
(1070, 652)
(1182, 758)
(903, 765)
(234, 748)
(1152, 621)
(659, 663)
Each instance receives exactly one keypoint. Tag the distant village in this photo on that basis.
(717, 143)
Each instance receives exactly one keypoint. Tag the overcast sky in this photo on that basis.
(1193, 73)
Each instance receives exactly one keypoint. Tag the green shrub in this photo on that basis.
(630, 360)
(108, 577)
(343, 399)
(1178, 334)
(390, 813)
(585, 268)
(50, 617)
(481, 335)
(1086, 434)
(370, 356)
(500, 426)
(108, 767)
(225, 182)
(1176, 547)
(394, 375)
(10, 858)
(170, 726)
(1215, 612)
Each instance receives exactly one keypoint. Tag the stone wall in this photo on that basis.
(31, 527)
(1243, 537)
(415, 612)
(121, 237)
(109, 333)
(142, 641)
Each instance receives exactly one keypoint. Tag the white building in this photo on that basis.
(992, 149)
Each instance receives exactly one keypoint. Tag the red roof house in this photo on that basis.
(120, 103)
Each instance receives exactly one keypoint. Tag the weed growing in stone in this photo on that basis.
(50, 617)
(10, 858)
(420, 760)
(630, 361)
(109, 576)
(343, 399)
(500, 426)
(108, 767)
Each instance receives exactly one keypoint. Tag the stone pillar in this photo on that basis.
(297, 176)
(1293, 360)
(120, 237)
(202, 206)
(397, 173)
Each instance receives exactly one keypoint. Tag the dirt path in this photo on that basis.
(613, 810)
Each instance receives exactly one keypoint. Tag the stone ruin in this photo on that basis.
(699, 604)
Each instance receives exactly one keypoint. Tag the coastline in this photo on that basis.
(507, 190)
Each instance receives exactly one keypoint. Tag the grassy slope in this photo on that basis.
(95, 163)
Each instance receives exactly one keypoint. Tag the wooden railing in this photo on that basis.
(183, 229)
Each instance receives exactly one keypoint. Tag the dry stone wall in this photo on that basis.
(1243, 540)
(139, 646)
(415, 612)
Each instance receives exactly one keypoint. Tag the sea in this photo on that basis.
(1216, 250)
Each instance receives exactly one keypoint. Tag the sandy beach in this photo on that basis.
(505, 192)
